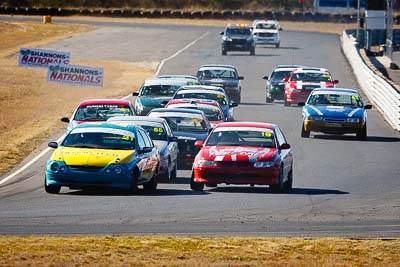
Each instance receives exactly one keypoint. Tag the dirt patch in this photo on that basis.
(30, 108)
(173, 251)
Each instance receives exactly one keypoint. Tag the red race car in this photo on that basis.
(244, 153)
(303, 80)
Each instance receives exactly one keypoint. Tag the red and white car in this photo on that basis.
(95, 110)
(244, 153)
(303, 80)
(211, 108)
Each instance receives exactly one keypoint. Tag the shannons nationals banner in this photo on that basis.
(75, 75)
(42, 58)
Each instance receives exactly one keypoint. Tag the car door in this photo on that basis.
(286, 154)
(154, 156)
(172, 145)
(144, 163)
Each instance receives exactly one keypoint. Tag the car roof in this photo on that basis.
(217, 66)
(109, 125)
(337, 90)
(177, 76)
(264, 21)
(201, 91)
(192, 105)
(104, 101)
(135, 118)
(310, 69)
(162, 81)
(193, 100)
(247, 124)
(287, 66)
(174, 110)
(202, 87)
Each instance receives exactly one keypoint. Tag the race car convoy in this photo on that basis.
(187, 121)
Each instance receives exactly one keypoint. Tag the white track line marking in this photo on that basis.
(41, 154)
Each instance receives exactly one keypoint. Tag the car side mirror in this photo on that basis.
(53, 144)
(146, 149)
(240, 78)
(233, 104)
(135, 93)
(65, 119)
(285, 79)
(301, 104)
(173, 139)
(221, 33)
(335, 81)
(265, 77)
(199, 144)
(368, 106)
(284, 146)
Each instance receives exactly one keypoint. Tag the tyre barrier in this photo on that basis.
(379, 90)
(194, 14)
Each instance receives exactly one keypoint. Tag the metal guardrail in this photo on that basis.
(381, 93)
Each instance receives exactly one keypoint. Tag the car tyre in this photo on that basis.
(285, 103)
(362, 134)
(51, 189)
(196, 186)
(269, 99)
(133, 189)
(223, 52)
(280, 187)
(277, 45)
(151, 185)
(253, 52)
(304, 133)
(289, 182)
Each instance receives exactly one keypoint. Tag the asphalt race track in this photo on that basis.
(342, 186)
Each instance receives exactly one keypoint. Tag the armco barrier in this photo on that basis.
(381, 93)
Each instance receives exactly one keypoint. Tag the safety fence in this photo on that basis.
(381, 93)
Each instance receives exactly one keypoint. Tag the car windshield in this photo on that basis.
(212, 114)
(159, 90)
(100, 138)
(238, 31)
(256, 137)
(155, 130)
(183, 122)
(279, 75)
(220, 98)
(209, 74)
(311, 77)
(335, 99)
(101, 112)
(266, 26)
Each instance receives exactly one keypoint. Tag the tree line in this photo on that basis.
(165, 4)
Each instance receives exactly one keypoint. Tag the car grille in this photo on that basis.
(83, 168)
(334, 120)
(213, 175)
(238, 41)
(239, 164)
(265, 34)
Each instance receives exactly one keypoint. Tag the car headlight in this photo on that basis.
(353, 120)
(227, 39)
(264, 164)
(56, 167)
(210, 163)
(139, 107)
(314, 118)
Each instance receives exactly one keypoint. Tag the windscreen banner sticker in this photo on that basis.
(75, 75)
(42, 58)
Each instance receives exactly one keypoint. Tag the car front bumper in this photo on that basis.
(332, 127)
(266, 40)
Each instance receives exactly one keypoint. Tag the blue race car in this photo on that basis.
(334, 111)
(103, 155)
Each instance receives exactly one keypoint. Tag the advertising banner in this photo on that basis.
(75, 75)
(42, 58)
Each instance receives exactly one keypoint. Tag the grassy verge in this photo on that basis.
(173, 251)
(30, 107)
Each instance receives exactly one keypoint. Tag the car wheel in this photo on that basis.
(280, 187)
(51, 189)
(253, 52)
(269, 99)
(151, 185)
(304, 133)
(362, 134)
(196, 186)
(173, 172)
(289, 182)
(223, 52)
(277, 45)
(133, 188)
